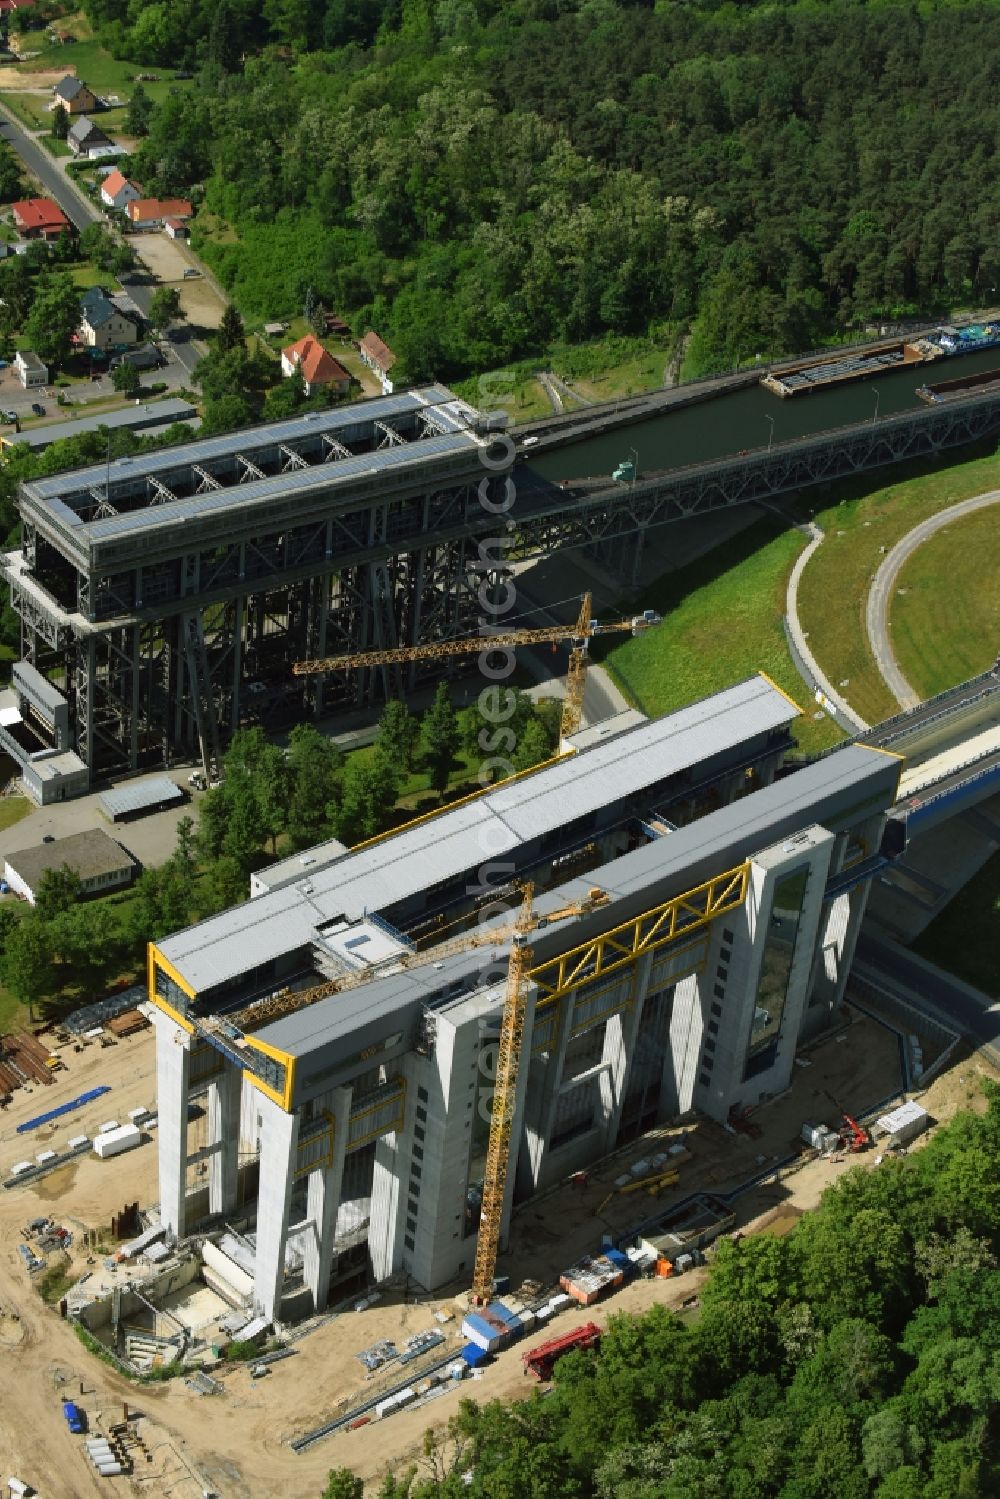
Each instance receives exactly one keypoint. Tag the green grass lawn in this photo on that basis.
(612, 367)
(869, 519)
(86, 274)
(29, 109)
(946, 613)
(513, 389)
(721, 623)
(12, 809)
(13, 1014)
(91, 62)
(965, 938)
(55, 147)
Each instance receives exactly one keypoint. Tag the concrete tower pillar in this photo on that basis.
(619, 1049)
(323, 1200)
(279, 1135)
(224, 1133)
(173, 1065)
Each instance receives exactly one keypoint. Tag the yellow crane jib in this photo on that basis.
(578, 634)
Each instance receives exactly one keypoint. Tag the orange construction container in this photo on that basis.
(664, 1269)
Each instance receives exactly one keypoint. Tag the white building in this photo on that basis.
(117, 191)
(30, 370)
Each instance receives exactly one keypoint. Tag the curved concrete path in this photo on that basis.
(881, 592)
(844, 709)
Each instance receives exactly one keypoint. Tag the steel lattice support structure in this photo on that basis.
(173, 591)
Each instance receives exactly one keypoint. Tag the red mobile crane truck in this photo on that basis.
(542, 1360)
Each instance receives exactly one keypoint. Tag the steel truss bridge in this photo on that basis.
(173, 591)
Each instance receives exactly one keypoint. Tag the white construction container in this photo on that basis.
(115, 1141)
(44, 1156)
(17, 1486)
(79, 1142)
(139, 1113)
(903, 1124)
(20, 1167)
(108, 1126)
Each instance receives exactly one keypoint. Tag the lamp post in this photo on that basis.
(875, 394)
(770, 435)
(635, 469)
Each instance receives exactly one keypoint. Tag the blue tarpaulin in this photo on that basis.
(64, 1108)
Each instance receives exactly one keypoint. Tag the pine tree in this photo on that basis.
(231, 333)
(439, 738)
(397, 734)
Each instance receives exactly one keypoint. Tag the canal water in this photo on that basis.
(721, 427)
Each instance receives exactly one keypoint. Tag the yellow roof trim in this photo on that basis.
(787, 696)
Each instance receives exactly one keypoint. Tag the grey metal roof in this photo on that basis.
(84, 129)
(68, 87)
(260, 492)
(358, 414)
(155, 414)
(138, 795)
(46, 693)
(579, 784)
(825, 792)
(464, 837)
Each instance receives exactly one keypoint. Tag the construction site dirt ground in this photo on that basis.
(236, 1443)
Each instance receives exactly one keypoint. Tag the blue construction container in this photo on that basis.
(621, 1262)
(473, 1356)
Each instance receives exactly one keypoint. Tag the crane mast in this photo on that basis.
(504, 1098)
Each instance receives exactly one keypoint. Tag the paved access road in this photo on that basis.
(955, 1003)
(178, 343)
(78, 209)
(881, 591)
(81, 212)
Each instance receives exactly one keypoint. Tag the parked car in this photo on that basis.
(75, 1419)
(37, 409)
(8, 416)
(190, 271)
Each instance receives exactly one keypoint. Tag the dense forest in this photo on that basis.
(477, 178)
(857, 1358)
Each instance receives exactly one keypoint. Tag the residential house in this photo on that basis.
(103, 325)
(30, 370)
(151, 213)
(39, 218)
(85, 138)
(117, 191)
(379, 358)
(74, 96)
(319, 370)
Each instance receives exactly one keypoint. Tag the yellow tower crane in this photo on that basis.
(504, 1099)
(579, 634)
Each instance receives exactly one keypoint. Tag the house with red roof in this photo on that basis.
(39, 218)
(319, 370)
(117, 191)
(379, 358)
(152, 213)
